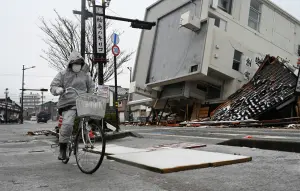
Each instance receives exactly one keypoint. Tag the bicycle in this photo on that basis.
(90, 108)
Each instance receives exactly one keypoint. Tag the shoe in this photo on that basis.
(62, 151)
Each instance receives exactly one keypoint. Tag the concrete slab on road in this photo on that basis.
(112, 149)
(174, 160)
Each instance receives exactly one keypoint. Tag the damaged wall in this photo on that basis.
(177, 49)
(278, 34)
(147, 37)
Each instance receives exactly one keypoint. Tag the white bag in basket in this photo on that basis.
(91, 105)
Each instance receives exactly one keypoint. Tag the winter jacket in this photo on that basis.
(81, 81)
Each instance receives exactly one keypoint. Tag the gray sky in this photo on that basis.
(21, 39)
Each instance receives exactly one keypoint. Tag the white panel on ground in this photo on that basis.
(173, 160)
(116, 149)
(182, 145)
(111, 127)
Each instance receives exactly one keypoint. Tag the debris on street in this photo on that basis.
(276, 123)
(42, 132)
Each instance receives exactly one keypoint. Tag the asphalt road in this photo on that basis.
(29, 163)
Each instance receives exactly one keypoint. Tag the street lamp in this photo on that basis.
(129, 108)
(130, 69)
(22, 99)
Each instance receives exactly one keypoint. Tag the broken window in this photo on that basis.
(225, 5)
(237, 59)
(254, 14)
(213, 92)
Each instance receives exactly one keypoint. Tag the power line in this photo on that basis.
(114, 12)
(18, 75)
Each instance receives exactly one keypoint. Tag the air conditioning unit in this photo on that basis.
(190, 21)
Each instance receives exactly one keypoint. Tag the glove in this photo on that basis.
(59, 91)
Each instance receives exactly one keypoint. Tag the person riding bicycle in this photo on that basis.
(77, 77)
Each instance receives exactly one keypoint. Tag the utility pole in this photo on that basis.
(22, 96)
(42, 101)
(6, 112)
(34, 105)
(83, 18)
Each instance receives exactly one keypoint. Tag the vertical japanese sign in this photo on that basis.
(247, 71)
(100, 31)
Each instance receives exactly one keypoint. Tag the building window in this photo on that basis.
(194, 68)
(254, 14)
(237, 59)
(225, 5)
(213, 92)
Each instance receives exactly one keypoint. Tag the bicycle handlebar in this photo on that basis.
(70, 88)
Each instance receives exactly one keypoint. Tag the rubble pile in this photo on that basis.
(272, 85)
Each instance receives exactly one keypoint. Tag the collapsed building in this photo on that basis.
(201, 52)
(271, 90)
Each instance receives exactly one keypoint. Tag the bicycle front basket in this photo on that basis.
(91, 105)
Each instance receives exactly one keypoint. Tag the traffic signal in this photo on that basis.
(142, 25)
(44, 90)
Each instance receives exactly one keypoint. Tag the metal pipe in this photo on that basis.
(116, 94)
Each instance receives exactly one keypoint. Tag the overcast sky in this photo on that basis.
(21, 39)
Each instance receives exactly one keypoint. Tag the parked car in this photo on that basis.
(33, 118)
(43, 117)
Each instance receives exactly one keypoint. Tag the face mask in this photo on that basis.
(76, 68)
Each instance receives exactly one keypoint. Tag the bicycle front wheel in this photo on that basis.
(89, 145)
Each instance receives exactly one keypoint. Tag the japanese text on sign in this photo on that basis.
(100, 30)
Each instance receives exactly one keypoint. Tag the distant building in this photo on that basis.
(31, 100)
(13, 109)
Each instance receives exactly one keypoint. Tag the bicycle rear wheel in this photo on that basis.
(89, 146)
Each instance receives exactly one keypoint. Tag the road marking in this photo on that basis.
(215, 138)
(151, 129)
(229, 134)
(275, 137)
(183, 136)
